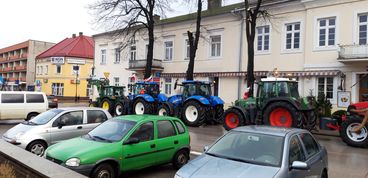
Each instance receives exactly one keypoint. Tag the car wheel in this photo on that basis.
(180, 159)
(103, 171)
(37, 147)
(31, 116)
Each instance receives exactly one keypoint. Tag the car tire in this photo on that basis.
(353, 139)
(107, 104)
(37, 147)
(141, 106)
(276, 113)
(120, 109)
(31, 116)
(232, 118)
(193, 114)
(180, 159)
(104, 170)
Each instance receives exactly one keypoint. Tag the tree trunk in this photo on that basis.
(151, 39)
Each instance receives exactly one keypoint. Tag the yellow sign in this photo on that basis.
(106, 74)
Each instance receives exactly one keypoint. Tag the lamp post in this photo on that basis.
(76, 70)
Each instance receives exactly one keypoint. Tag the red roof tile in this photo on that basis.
(80, 46)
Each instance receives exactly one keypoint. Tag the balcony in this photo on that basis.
(2, 59)
(24, 55)
(13, 57)
(141, 64)
(22, 79)
(20, 67)
(6, 69)
(12, 79)
(353, 53)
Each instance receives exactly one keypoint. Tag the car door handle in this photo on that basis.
(176, 142)
(79, 127)
(153, 146)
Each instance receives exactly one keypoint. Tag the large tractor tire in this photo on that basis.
(121, 108)
(282, 114)
(92, 104)
(140, 106)
(310, 120)
(351, 138)
(165, 109)
(219, 113)
(108, 105)
(233, 118)
(194, 114)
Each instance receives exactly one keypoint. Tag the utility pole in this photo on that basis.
(76, 70)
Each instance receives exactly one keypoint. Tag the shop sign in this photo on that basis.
(57, 60)
(76, 61)
(343, 99)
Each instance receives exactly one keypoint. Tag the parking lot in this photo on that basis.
(344, 161)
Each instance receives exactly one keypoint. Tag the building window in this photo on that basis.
(168, 50)
(57, 89)
(187, 50)
(215, 46)
(168, 85)
(263, 38)
(363, 26)
(133, 52)
(41, 70)
(58, 69)
(117, 55)
(46, 70)
(38, 70)
(117, 81)
(292, 36)
(326, 32)
(103, 56)
(325, 86)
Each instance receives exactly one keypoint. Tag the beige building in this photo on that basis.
(321, 43)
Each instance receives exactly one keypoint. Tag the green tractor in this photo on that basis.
(111, 98)
(277, 104)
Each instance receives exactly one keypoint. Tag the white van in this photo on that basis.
(22, 104)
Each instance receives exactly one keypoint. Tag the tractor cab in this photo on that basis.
(114, 91)
(149, 88)
(277, 87)
(200, 88)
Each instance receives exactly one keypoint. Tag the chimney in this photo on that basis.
(74, 35)
(213, 4)
(156, 18)
(80, 33)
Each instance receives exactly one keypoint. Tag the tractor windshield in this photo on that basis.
(119, 91)
(150, 89)
(294, 89)
(192, 89)
(108, 91)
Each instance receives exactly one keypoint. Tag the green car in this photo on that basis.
(124, 143)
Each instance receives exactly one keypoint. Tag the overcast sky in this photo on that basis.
(54, 20)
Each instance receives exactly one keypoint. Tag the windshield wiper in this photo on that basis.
(229, 158)
(104, 139)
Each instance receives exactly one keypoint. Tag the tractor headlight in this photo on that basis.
(74, 162)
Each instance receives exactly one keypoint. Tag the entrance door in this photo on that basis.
(363, 87)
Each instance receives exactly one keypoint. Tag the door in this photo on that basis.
(93, 119)
(12, 106)
(142, 154)
(68, 125)
(167, 141)
(363, 87)
(296, 153)
(314, 155)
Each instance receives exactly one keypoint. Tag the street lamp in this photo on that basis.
(76, 70)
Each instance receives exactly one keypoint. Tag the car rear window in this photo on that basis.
(165, 129)
(12, 98)
(34, 98)
(96, 116)
(180, 127)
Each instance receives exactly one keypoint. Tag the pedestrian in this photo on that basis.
(361, 125)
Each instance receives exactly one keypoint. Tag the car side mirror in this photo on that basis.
(130, 141)
(205, 148)
(300, 165)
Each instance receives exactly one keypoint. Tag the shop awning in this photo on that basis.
(256, 73)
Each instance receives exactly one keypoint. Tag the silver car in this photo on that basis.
(260, 151)
(53, 126)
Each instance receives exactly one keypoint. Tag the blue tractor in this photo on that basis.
(195, 105)
(145, 97)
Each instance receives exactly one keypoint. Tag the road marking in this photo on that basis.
(195, 153)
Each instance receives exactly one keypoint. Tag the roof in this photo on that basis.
(195, 81)
(80, 46)
(15, 47)
(269, 130)
(142, 118)
(272, 79)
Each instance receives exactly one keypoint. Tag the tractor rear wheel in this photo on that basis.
(141, 106)
(107, 104)
(351, 138)
(219, 113)
(282, 114)
(309, 121)
(193, 114)
(232, 118)
(165, 110)
(120, 109)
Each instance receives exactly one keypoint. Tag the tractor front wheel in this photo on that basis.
(232, 118)
(107, 104)
(141, 106)
(120, 109)
(193, 114)
(165, 110)
(282, 114)
(351, 138)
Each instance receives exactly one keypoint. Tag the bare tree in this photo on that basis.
(129, 17)
(251, 15)
(193, 41)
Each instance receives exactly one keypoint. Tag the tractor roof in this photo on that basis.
(147, 83)
(273, 79)
(195, 82)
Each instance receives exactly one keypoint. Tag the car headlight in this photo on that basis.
(72, 162)
(177, 176)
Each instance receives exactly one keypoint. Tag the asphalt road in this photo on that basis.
(344, 161)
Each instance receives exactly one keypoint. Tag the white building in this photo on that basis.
(322, 43)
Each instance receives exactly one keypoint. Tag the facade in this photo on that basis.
(17, 64)
(321, 43)
(63, 70)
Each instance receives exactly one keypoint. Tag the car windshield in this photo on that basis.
(251, 148)
(44, 117)
(112, 130)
